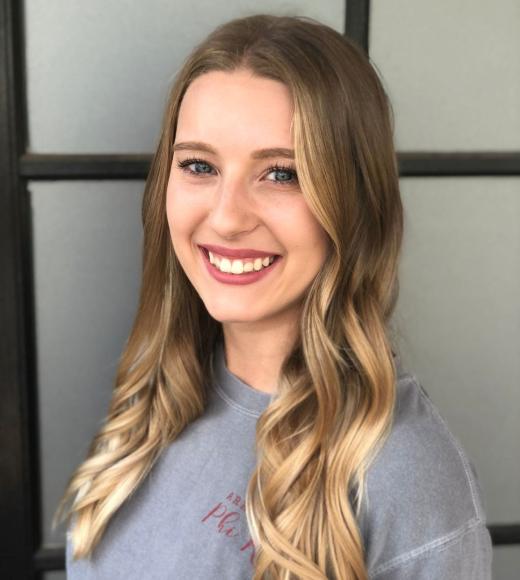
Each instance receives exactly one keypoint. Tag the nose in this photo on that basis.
(232, 211)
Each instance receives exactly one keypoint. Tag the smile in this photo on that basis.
(238, 266)
(238, 271)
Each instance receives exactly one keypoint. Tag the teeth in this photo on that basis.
(239, 266)
(225, 265)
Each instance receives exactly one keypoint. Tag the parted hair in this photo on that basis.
(336, 389)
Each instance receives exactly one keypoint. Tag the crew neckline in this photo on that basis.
(244, 397)
(234, 390)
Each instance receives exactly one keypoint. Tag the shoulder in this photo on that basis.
(422, 491)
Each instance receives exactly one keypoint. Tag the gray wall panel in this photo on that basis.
(87, 261)
(98, 72)
(506, 563)
(458, 319)
(453, 71)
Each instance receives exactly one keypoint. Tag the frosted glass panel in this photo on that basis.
(87, 262)
(98, 72)
(452, 70)
(506, 562)
(458, 319)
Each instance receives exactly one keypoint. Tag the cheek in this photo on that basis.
(300, 232)
(171, 200)
(321, 239)
(315, 246)
(181, 216)
(179, 224)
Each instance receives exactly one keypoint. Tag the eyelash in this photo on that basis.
(184, 165)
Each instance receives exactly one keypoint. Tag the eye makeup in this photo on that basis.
(185, 164)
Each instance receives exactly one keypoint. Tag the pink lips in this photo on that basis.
(237, 253)
(237, 279)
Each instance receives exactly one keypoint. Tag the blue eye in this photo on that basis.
(286, 175)
(200, 166)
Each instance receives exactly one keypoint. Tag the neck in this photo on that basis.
(255, 352)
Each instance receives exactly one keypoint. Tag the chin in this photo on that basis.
(225, 313)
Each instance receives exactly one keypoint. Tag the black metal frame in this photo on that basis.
(21, 552)
(19, 460)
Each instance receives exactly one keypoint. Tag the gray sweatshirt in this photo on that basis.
(424, 519)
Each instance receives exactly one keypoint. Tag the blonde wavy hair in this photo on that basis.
(336, 390)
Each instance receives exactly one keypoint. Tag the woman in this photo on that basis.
(261, 425)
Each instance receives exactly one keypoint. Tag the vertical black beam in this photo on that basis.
(19, 516)
(357, 16)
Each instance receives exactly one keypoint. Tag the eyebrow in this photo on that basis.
(259, 154)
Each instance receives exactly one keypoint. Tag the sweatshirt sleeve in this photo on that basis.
(465, 555)
(423, 515)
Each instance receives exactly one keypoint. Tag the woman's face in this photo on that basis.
(233, 187)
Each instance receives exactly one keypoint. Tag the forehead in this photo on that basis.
(238, 107)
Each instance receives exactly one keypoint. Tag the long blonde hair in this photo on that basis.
(336, 390)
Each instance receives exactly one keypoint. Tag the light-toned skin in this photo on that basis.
(239, 203)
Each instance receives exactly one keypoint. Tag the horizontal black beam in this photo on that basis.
(84, 166)
(49, 559)
(136, 166)
(54, 558)
(456, 164)
(505, 534)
